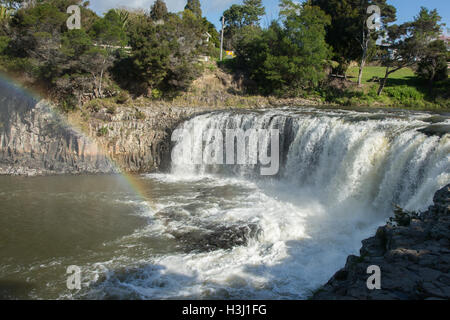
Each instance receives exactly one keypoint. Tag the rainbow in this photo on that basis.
(132, 180)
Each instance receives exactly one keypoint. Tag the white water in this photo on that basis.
(343, 170)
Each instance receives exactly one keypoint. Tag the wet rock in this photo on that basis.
(414, 260)
(211, 238)
(436, 130)
(36, 140)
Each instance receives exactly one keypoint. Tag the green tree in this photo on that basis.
(110, 30)
(367, 37)
(287, 59)
(238, 17)
(150, 56)
(433, 65)
(195, 7)
(340, 33)
(253, 11)
(158, 10)
(407, 43)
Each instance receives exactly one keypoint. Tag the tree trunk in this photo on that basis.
(361, 67)
(383, 82)
(100, 85)
(365, 47)
(431, 80)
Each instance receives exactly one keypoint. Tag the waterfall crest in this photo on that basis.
(372, 158)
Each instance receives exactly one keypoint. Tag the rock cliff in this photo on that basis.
(37, 140)
(414, 260)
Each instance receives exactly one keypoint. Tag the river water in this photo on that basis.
(223, 232)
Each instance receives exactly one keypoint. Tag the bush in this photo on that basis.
(95, 105)
(103, 131)
(68, 105)
(404, 94)
(156, 94)
(111, 110)
(123, 97)
(140, 115)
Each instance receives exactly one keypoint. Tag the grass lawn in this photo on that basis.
(403, 76)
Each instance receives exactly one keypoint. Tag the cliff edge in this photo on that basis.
(414, 260)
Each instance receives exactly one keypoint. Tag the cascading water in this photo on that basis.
(236, 234)
(373, 159)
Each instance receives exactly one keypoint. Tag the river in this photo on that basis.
(211, 231)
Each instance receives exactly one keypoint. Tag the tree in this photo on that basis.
(238, 17)
(194, 6)
(286, 59)
(407, 43)
(366, 36)
(158, 11)
(433, 66)
(348, 33)
(253, 11)
(150, 54)
(345, 17)
(110, 35)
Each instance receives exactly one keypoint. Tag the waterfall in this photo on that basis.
(237, 232)
(373, 159)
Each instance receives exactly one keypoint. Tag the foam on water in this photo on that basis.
(341, 173)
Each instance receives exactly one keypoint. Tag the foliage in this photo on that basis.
(158, 11)
(194, 7)
(286, 59)
(408, 42)
(348, 33)
(433, 66)
(102, 132)
(238, 17)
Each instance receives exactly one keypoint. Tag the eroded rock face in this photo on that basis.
(138, 139)
(414, 260)
(35, 140)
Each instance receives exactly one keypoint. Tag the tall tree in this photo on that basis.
(367, 37)
(195, 7)
(407, 43)
(159, 10)
(238, 17)
(433, 66)
(341, 32)
(286, 59)
(253, 11)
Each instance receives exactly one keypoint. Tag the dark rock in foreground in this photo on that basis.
(414, 260)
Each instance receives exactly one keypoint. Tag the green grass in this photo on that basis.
(404, 75)
(403, 89)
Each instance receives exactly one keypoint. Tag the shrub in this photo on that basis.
(123, 97)
(140, 115)
(103, 131)
(405, 95)
(156, 94)
(111, 110)
(95, 105)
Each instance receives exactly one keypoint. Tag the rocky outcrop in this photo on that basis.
(37, 140)
(138, 139)
(414, 260)
(34, 140)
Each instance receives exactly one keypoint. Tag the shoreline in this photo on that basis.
(414, 260)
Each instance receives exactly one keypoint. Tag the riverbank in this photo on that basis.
(36, 140)
(414, 259)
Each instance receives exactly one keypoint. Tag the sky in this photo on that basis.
(213, 9)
